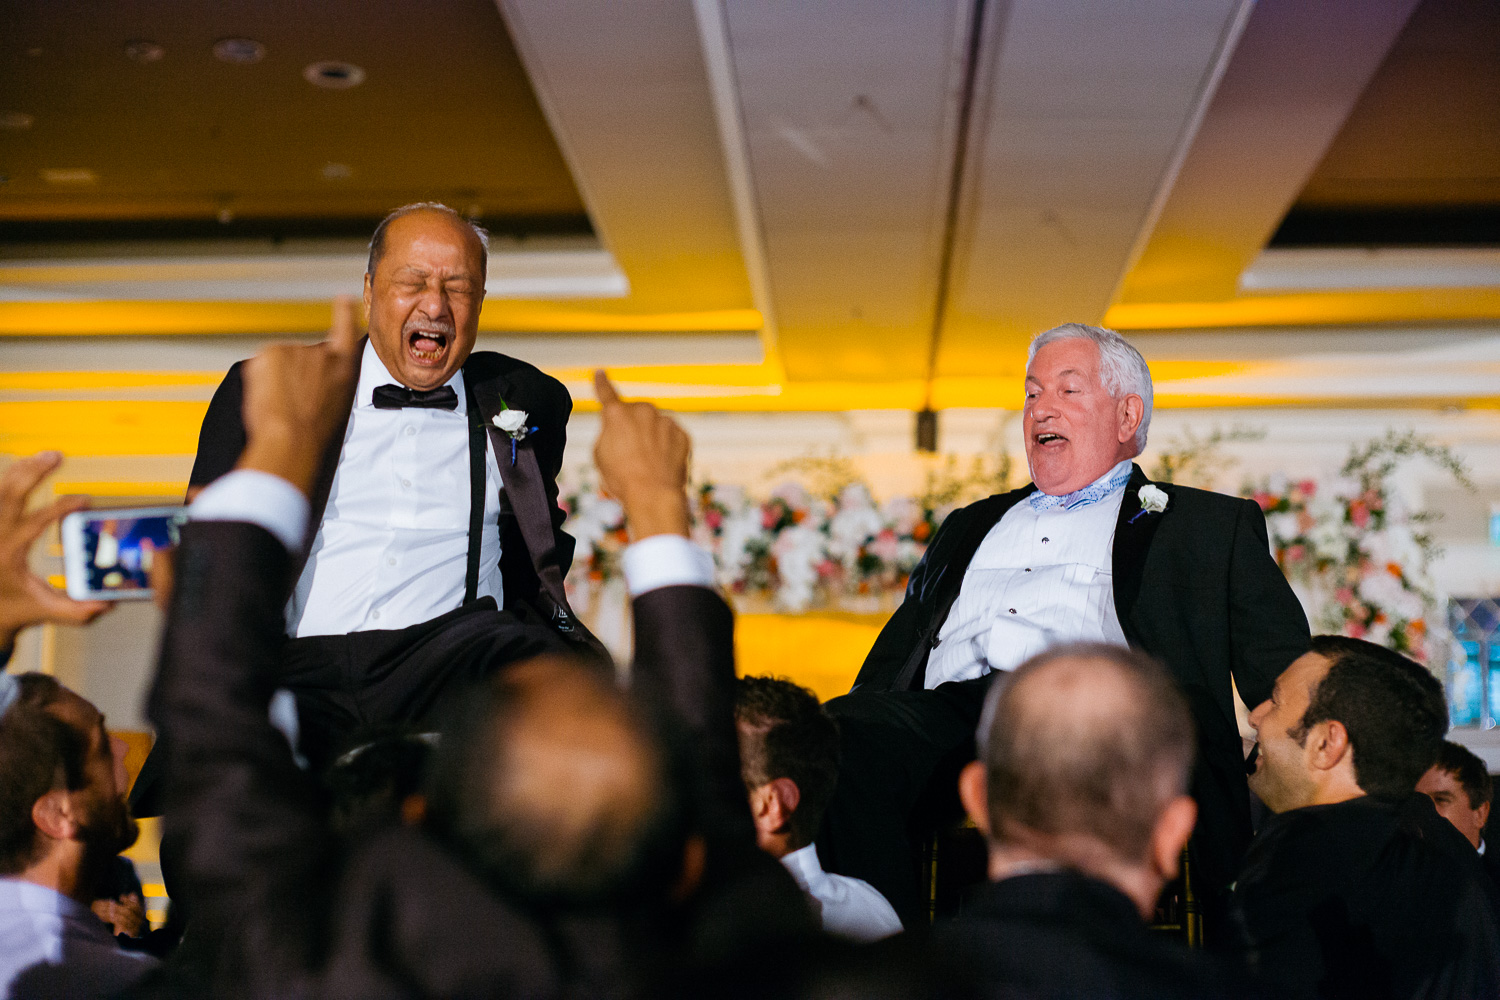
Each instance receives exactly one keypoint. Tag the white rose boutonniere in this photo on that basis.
(513, 423)
(1153, 500)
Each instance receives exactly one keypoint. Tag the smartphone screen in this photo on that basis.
(107, 554)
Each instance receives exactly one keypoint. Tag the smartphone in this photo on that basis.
(107, 554)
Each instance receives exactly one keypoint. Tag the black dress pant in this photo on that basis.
(348, 683)
(898, 781)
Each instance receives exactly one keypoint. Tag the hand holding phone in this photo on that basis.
(109, 554)
(25, 598)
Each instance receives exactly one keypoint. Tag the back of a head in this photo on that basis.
(786, 733)
(1392, 708)
(38, 752)
(1084, 741)
(370, 783)
(559, 787)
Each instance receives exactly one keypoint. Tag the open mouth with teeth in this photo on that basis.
(428, 347)
(1048, 438)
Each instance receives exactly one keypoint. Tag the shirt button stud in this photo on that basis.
(410, 431)
(1012, 610)
(374, 614)
(1046, 540)
(1028, 569)
(391, 561)
(406, 483)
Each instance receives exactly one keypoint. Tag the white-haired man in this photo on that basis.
(1090, 551)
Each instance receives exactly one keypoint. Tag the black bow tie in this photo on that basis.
(394, 397)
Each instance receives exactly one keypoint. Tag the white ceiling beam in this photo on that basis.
(1296, 74)
(1087, 107)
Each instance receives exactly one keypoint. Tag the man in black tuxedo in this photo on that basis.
(434, 552)
(1081, 791)
(1091, 551)
(1461, 791)
(569, 848)
(1357, 887)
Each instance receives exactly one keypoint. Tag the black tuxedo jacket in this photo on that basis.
(1065, 935)
(1195, 586)
(281, 908)
(535, 553)
(1367, 899)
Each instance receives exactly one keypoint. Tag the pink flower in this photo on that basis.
(1344, 596)
(1354, 630)
(769, 515)
(713, 519)
(1308, 488)
(1296, 553)
(1266, 500)
(827, 568)
(886, 546)
(1359, 515)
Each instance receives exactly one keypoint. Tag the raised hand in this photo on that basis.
(25, 598)
(296, 397)
(642, 456)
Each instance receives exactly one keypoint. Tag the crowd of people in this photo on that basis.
(391, 762)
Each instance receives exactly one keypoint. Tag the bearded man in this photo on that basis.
(1090, 551)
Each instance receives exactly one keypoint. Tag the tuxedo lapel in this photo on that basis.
(1134, 532)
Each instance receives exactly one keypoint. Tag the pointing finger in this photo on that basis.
(604, 389)
(345, 332)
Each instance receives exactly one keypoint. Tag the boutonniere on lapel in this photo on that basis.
(513, 423)
(1153, 501)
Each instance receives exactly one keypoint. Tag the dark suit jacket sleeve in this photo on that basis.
(1267, 626)
(551, 442)
(222, 438)
(254, 851)
(684, 657)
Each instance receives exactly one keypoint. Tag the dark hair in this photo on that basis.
(38, 753)
(1392, 708)
(786, 733)
(1468, 770)
(377, 241)
(1085, 738)
(369, 783)
(560, 788)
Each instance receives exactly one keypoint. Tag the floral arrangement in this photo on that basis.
(796, 549)
(1357, 554)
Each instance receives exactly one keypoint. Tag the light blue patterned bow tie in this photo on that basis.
(1092, 493)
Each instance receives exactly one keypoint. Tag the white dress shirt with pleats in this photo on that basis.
(393, 546)
(1039, 578)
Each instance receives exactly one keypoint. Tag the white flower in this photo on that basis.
(512, 422)
(1153, 499)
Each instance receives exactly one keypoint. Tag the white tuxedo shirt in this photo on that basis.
(1039, 578)
(392, 550)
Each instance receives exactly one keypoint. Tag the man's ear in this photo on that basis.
(53, 815)
(1484, 814)
(1170, 835)
(785, 797)
(1132, 411)
(369, 290)
(1328, 744)
(973, 792)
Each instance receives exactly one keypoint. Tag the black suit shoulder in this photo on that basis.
(542, 392)
(222, 437)
(1064, 935)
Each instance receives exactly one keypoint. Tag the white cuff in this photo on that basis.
(257, 498)
(666, 561)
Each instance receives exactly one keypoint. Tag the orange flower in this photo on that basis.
(921, 531)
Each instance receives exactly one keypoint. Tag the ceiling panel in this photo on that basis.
(445, 111)
(1078, 132)
(849, 111)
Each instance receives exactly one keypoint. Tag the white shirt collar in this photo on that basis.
(805, 867)
(373, 373)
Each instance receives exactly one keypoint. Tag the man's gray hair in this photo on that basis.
(1084, 739)
(1122, 370)
(377, 241)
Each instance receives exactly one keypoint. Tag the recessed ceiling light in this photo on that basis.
(69, 175)
(337, 171)
(333, 75)
(242, 51)
(143, 51)
(15, 120)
